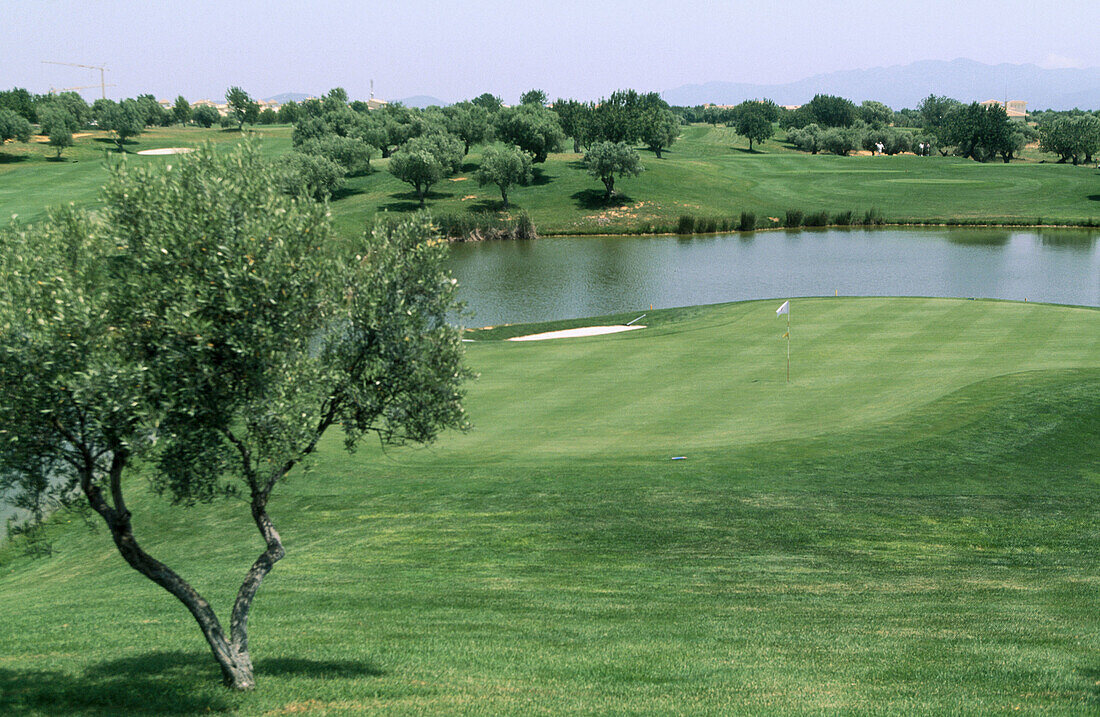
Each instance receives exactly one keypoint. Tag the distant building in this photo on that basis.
(222, 108)
(1016, 109)
(376, 104)
(790, 107)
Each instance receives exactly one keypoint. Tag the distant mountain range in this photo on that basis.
(906, 85)
(289, 97)
(422, 101)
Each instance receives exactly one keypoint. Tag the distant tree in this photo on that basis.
(831, 111)
(978, 132)
(425, 160)
(533, 129)
(151, 111)
(808, 139)
(123, 120)
(658, 129)
(14, 126)
(181, 110)
(310, 175)
(618, 118)
(416, 166)
(205, 115)
(1075, 138)
(202, 335)
(20, 101)
(351, 153)
(575, 118)
(504, 166)
(841, 140)
(533, 97)
(605, 160)
(487, 101)
(934, 113)
(55, 124)
(268, 116)
(875, 114)
(288, 112)
(751, 122)
(72, 104)
(311, 107)
(799, 118)
(336, 99)
(468, 122)
(712, 115)
(241, 106)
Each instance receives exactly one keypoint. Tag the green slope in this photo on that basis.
(909, 526)
(708, 173)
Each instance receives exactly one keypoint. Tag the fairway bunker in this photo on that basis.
(167, 150)
(572, 333)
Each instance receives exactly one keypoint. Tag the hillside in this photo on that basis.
(906, 85)
(709, 172)
(919, 502)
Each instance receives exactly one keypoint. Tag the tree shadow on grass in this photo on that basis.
(539, 177)
(746, 150)
(408, 201)
(344, 192)
(155, 683)
(1091, 197)
(112, 142)
(594, 199)
(11, 158)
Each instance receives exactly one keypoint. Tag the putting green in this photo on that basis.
(908, 527)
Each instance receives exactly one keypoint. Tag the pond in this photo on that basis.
(568, 277)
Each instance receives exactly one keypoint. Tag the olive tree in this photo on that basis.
(504, 166)
(205, 325)
(14, 126)
(425, 160)
(604, 160)
(532, 128)
(241, 106)
(56, 124)
(122, 119)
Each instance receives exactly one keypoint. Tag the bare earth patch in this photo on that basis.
(583, 331)
(167, 150)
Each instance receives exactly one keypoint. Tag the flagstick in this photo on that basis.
(788, 345)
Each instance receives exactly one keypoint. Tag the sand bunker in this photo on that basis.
(583, 331)
(167, 150)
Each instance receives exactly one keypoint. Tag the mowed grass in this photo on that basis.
(33, 180)
(708, 173)
(908, 527)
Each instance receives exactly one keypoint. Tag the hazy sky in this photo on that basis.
(459, 49)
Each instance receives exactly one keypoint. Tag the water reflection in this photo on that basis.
(555, 278)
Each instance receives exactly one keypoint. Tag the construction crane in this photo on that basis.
(101, 68)
(55, 90)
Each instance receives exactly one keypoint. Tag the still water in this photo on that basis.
(569, 277)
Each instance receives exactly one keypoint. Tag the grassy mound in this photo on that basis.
(909, 526)
(708, 176)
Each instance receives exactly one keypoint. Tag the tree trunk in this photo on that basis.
(657, 149)
(504, 196)
(609, 184)
(750, 144)
(576, 146)
(420, 193)
(232, 655)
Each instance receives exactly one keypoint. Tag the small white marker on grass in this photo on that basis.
(679, 458)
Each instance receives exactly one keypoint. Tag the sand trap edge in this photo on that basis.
(572, 333)
(167, 150)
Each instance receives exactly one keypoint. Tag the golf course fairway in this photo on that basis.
(910, 525)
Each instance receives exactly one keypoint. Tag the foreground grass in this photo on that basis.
(910, 526)
(708, 173)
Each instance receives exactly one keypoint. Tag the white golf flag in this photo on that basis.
(784, 309)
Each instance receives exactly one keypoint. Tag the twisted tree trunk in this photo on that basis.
(231, 653)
